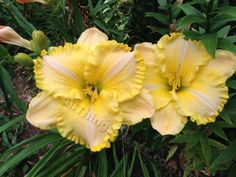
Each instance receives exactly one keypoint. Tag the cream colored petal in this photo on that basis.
(154, 81)
(148, 51)
(204, 98)
(224, 64)
(158, 86)
(115, 69)
(10, 36)
(92, 37)
(135, 110)
(167, 121)
(42, 111)
(61, 72)
(181, 57)
(94, 124)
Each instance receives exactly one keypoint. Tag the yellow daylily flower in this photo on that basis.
(185, 81)
(89, 90)
(10, 36)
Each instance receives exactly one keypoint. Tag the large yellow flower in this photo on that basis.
(89, 90)
(185, 81)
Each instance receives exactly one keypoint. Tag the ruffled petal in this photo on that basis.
(94, 124)
(181, 57)
(61, 72)
(154, 81)
(135, 110)
(115, 69)
(148, 51)
(10, 36)
(92, 37)
(224, 64)
(42, 111)
(167, 121)
(204, 98)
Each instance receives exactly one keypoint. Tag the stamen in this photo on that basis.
(174, 81)
(92, 91)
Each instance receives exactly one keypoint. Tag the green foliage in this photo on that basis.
(139, 150)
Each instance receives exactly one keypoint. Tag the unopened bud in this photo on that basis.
(30, 1)
(10, 36)
(39, 42)
(24, 59)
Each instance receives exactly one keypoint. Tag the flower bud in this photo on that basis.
(10, 36)
(24, 59)
(39, 42)
(30, 1)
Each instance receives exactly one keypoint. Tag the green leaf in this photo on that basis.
(121, 168)
(223, 32)
(189, 20)
(102, 164)
(206, 149)
(226, 117)
(171, 152)
(143, 166)
(231, 39)
(210, 42)
(8, 153)
(162, 2)
(159, 17)
(81, 172)
(194, 35)
(6, 80)
(115, 155)
(32, 148)
(232, 171)
(27, 26)
(228, 154)
(226, 44)
(130, 170)
(188, 9)
(41, 164)
(229, 10)
(218, 131)
(231, 83)
(11, 123)
(216, 144)
(156, 172)
(4, 55)
(64, 162)
(180, 138)
(160, 30)
(193, 140)
(79, 25)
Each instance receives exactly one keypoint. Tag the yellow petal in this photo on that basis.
(92, 37)
(116, 69)
(10, 36)
(148, 51)
(181, 57)
(154, 81)
(224, 64)
(94, 124)
(42, 111)
(204, 98)
(135, 110)
(61, 72)
(167, 121)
